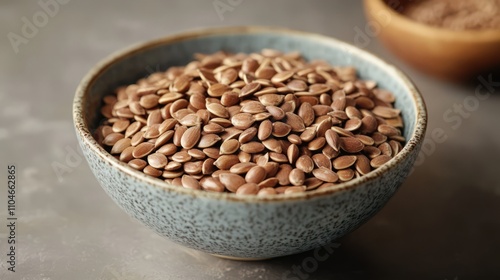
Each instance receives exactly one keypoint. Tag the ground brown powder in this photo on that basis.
(456, 14)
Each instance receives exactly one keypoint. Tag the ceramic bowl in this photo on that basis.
(245, 227)
(441, 52)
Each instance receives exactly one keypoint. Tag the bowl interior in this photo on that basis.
(146, 59)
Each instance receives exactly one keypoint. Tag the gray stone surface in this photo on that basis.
(442, 224)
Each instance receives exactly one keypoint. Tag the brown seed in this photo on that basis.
(316, 144)
(266, 192)
(281, 129)
(249, 89)
(379, 138)
(385, 149)
(177, 182)
(208, 140)
(167, 124)
(242, 120)
(386, 112)
(247, 189)
(133, 129)
(351, 144)
(278, 157)
(295, 189)
(242, 167)
(271, 168)
(208, 166)
(112, 138)
(231, 181)
(173, 166)
(225, 162)
(152, 132)
(320, 160)
(151, 171)
(364, 103)
(292, 153)
(255, 175)
(273, 145)
(211, 152)
(352, 124)
(366, 140)
(268, 183)
(196, 154)
(193, 167)
(229, 98)
(171, 174)
(297, 177)
(167, 149)
(252, 147)
(120, 125)
(229, 147)
(217, 110)
(305, 163)
(253, 107)
(197, 100)
(244, 157)
(190, 120)
(149, 101)
(190, 182)
(342, 132)
(325, 175)
(333, 139)
(191, 137)
(138, 164)
(344, 162)
(282, 76)
(371, 151)
(168, 98)
(211, 184)
(157, 160)
(265, 130)
(306, 112)
(379, 161)
(217, 90)
(271, 99)
(308, 134)
(181, 156)
(297, 85)
(368, 125)
(363, 164)
(120, 146)
(345, 175)
(213, 128)
(388, 130)
(312, 183)
(283, 174)
(296, 123)
(126, 155)
(247, 135)
(181, 83)
(294, 139)
(143, 150)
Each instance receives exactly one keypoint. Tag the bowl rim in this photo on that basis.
(426, 30)
(80, 123)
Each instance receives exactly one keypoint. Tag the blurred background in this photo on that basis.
(442, 224)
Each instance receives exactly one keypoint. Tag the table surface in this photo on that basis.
(443, 223)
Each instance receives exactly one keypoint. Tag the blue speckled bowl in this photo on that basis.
(245, 227)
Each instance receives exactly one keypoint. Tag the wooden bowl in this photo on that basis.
(441, 52)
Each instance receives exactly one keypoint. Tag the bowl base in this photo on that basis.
(239, 259)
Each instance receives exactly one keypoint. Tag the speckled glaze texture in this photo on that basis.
(248, 226)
